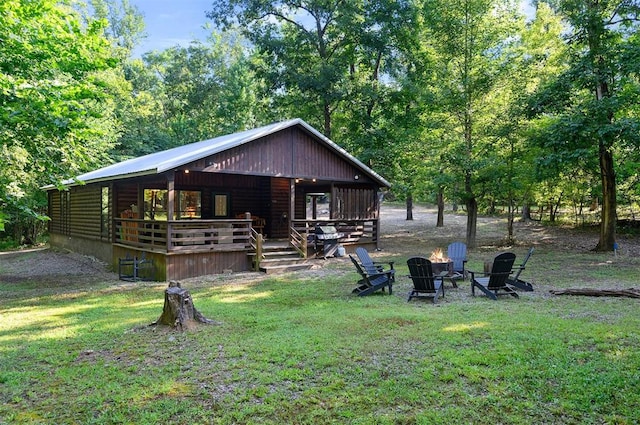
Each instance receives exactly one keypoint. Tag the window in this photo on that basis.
(220, 205)
(155, 204)
(189, 204)
(104, 212)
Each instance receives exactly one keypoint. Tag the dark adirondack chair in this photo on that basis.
(495, 282)
(425, 284)
(518, 283)
(371, 282)
(373, 267)
(457, 252)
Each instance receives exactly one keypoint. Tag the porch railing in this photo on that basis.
(299, 241)
(257, 245)
(184, 235)
(230, 234)
(352, 231)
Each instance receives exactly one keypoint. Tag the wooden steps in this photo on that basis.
(280, 257)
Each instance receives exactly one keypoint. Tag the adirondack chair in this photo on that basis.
(495, 282)
(373, 267)
(425, 284)
(371, 282)
(457, 252)
(518, 283)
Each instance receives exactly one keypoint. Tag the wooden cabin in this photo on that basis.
(208, 207)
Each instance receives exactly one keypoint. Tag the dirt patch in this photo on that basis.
(52, 267)
(399, 237)
(404, 236)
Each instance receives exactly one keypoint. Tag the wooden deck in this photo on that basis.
(182, 249)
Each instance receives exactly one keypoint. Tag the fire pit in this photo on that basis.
(441, 264)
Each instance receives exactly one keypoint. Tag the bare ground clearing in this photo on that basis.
(50, 268)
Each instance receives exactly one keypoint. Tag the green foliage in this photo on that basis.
(589, 109)
(344, 67)
(305, 49)
(188, 94)
(474, 49)
(56, 110)
(125, 26)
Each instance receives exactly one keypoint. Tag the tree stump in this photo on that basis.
(179, 311)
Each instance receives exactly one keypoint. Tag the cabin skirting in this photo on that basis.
(95, 248)
(183, 265)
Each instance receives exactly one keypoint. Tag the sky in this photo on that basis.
(172, 22)
(178, 22)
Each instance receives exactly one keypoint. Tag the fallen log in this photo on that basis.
(179, 311)
(591, 292)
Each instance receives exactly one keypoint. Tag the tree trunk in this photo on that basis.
(472, 211)
(440, 221)
(472, 219)
(409, 207)
(510, 217)
(609, 202)
(179, 311)
(526, 212)
(605, 142)
(327, 118)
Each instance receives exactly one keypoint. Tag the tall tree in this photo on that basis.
(305, 45)
(470, 38)
(56, 101)
(380, 118)
(538, 54)
(186, 94)
(591, 108)
(125, 23)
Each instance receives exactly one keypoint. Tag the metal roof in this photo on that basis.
(160, 162)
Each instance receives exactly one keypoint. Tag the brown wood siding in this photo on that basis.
(84, 211)
(109, 236)
(125, 196)
(55, 212)
(315, 160)
(300, 207)
(279, 208)
(270, 156)
(355, 204)
(288, 153)
(199, 264)
(247, 193)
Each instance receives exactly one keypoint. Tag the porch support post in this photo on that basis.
(140, 201)
(292, 202)
(378, 199)
(170, 205)
(113, 211)
(332, 202)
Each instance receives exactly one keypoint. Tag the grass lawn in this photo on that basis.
(300, 349)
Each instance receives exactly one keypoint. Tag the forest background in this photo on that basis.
(465, 102)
